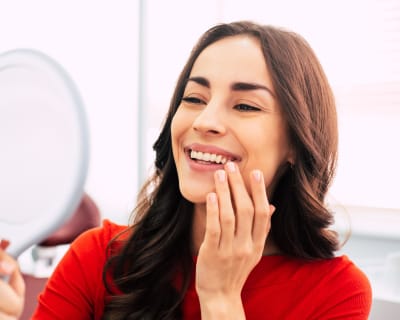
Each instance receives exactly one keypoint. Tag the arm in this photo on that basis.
(12, 287)
(236, 231)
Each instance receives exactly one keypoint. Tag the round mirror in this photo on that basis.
(43, 147)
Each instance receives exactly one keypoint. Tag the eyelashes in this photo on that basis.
(242, 107)
(193, 100)
(246, 107)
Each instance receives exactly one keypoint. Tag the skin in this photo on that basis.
(229, 106)
(12, 291)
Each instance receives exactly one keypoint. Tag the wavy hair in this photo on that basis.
(149, 276)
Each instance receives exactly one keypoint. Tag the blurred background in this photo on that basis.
(125, 57)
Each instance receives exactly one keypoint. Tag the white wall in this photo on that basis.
(97, 43)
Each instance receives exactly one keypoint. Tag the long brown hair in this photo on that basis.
(142, 277)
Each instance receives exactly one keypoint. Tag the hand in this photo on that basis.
(237, 227)
(12, 287)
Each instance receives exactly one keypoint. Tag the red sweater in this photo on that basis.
(279, 287)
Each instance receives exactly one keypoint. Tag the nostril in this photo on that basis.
(209, 127)
(207, 131)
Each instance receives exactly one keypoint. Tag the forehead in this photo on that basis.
(238, 58)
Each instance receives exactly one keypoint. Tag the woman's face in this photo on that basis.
(228, 112)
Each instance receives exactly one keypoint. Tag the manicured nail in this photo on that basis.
(221, 175)
(4, 244)
(231, 166)
(212, 197)
(6, 267)
(257, 175)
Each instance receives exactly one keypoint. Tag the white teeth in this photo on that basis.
(210, 157)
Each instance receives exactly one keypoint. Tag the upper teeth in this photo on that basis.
(205, 156)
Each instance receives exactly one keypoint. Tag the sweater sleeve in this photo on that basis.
(75, 290)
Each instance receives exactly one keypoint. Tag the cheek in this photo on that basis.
(173, 136)
(178, 121)
(179, 126)
(269, 156)
(175, 132)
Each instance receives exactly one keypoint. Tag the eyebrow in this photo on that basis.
(237, 86)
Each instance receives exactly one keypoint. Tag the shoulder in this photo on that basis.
(318, 289)
(90, 250)
(99, 236)
(334, 278)
(343, 269)
(344, 289)
(280, 269)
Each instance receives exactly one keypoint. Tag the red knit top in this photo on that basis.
(279, 287)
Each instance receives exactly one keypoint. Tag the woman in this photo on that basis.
(233, 224)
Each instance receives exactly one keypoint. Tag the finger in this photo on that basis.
(263, 210)
(7, 264)
(244, 209)
(10, 302)
(226, 214)
(213, 229)
(11, 298)
(17, 283)
(9, 268)
(4, 316)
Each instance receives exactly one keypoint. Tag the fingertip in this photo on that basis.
(257, 175)
(220, 175)
(272, 208)
(6, 267)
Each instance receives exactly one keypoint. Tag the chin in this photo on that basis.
(194, 195)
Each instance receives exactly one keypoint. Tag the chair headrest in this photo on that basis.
(85, 217)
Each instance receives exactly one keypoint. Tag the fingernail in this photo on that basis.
(221, 175)
(6, 267)
(231, 166)
(257, 175)
(4, 244)
(212, 197)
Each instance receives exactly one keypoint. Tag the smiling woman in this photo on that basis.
(232, 224)
(221, 214)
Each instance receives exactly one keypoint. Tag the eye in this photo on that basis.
(245, 107)
(193, 100)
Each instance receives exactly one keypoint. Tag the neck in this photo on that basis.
(199, 227)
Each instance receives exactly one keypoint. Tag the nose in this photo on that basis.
(210, 120)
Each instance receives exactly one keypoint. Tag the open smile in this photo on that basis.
(209, 155)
